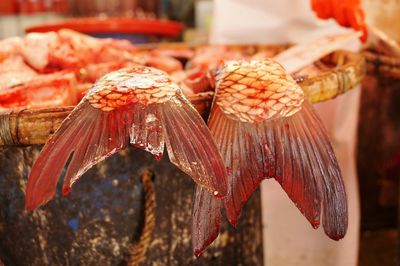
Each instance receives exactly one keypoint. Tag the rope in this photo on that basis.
(5, 130)
(137, 251)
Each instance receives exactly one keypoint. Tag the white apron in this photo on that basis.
(288, 237)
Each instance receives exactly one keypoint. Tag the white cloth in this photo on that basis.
(288, 238)
(266, 21)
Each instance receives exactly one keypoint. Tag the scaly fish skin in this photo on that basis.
(252, 91)
(130, 85)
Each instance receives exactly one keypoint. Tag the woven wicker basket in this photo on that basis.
(342, 71)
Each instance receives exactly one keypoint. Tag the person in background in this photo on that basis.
(288, 237)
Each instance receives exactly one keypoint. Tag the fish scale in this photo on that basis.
(126, 86)
(256, 90)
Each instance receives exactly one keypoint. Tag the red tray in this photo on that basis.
(163, 28)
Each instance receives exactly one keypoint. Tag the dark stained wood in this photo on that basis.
(378, 248)
(379, 151)
(96, 222)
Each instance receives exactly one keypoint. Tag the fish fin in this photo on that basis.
(297, 167)
(242, 150)
(90, 134)
(190, 145)
(206, 220)
(102, 136)
(147, 129)
(307, 169)
(296, 152)
(330, 180)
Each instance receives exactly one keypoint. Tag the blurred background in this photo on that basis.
(379, 131)
(17, 15)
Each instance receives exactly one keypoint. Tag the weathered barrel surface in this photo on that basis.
(103, 216)
(379, 151)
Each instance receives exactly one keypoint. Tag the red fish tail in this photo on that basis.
(190, 146)
(242, 150)
(206, 220)
(308, 171)
(330, 180)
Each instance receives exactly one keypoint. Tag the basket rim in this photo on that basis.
(348, 70)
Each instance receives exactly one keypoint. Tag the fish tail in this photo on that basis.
(329, 177)
(190, 146)
(241, 147)
(91, 135)
(307, 169)
(206, 220)
(296, 152)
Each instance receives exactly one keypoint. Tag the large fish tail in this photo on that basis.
(295, 151)
(91, 135)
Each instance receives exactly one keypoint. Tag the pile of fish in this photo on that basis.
(57, 68)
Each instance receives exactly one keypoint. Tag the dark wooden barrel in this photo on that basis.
(379, 142)
(104, 215)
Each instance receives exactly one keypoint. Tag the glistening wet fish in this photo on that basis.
(264, 127)
(138, 105)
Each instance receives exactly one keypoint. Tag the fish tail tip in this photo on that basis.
(336, 234)
(31, 206)
(66, 190)
(197, 252)
(36, 198)
(233, 222)
(232, 215)
(315, 224)
(158, 156)
(336, 237)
